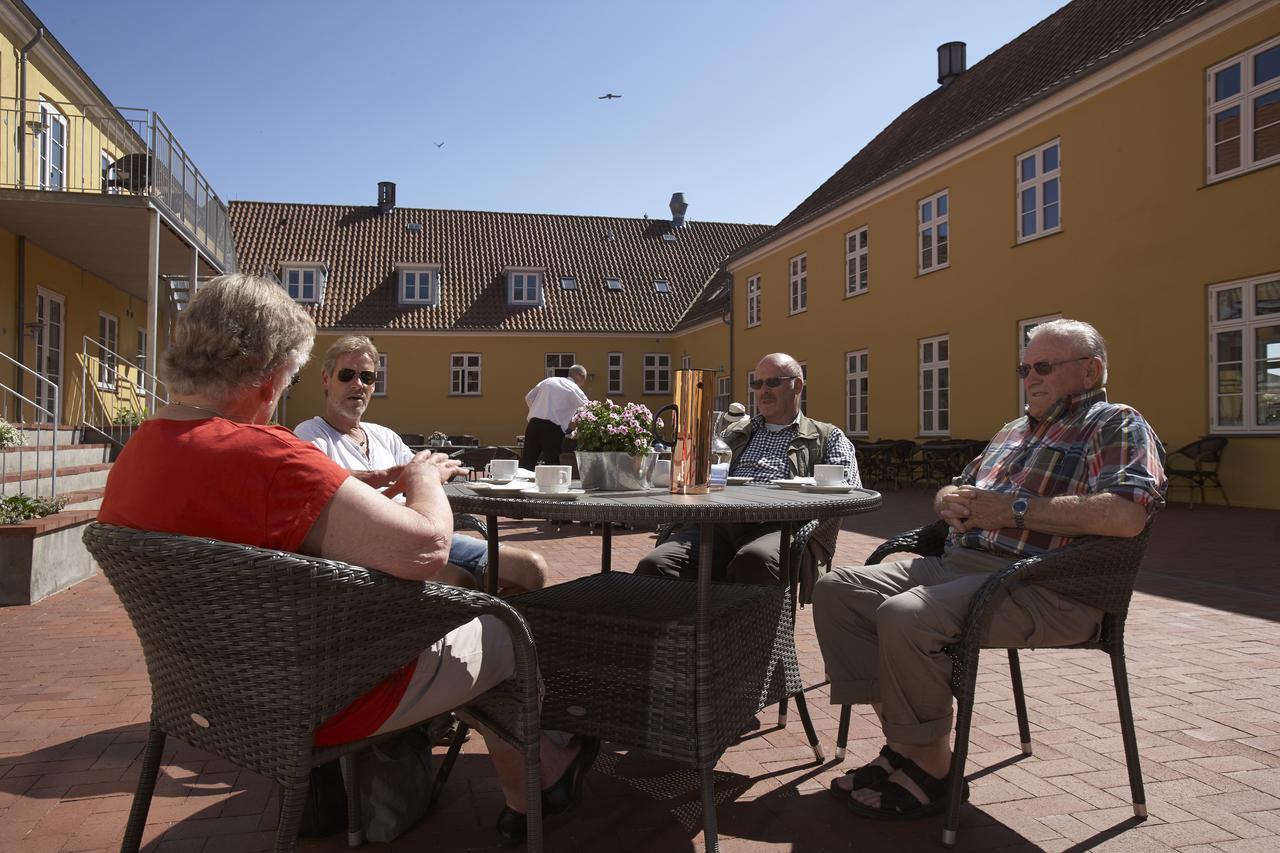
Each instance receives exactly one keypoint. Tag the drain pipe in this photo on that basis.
(22, 106)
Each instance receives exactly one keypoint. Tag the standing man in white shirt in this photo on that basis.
(552, 403)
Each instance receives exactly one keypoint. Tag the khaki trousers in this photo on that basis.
(882, 630)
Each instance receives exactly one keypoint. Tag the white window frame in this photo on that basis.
(804, 388)
(686, 361)
(753, 301)
(724, 393)
(799, 290)
(297, 290)
(1243, 100)
(751, 394)
(524, 287)
(1247, 326)
(657, 373)
(614, 361)
(857, 392)
(464, 368)
(1024, 330)
(1035, 185)
(141, 359)
(927, 260)
(557, 363)
(857, 258)
(108, 172)
(410, 276)
(51, 176)
(929, 399)
(380, 376)
(108, 345)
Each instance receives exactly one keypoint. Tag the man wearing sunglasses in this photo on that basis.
(1074, 465)
(778, 443)
(377, 455)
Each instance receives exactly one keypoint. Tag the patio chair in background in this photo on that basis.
(464, 440)
(1204, 456)
(249, 650)
(1097, 570)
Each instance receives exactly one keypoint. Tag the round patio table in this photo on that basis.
(615, 648)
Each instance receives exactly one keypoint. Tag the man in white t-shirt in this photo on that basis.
(552, 403)
(376, 455)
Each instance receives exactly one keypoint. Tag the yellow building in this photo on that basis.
(1116, 164)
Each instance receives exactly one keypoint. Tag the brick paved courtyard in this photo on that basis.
(1204, 660)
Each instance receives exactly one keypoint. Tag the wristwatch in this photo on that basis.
(1020, 511)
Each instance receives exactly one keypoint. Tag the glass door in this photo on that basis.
(50, 315)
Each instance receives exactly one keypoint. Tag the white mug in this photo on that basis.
(501, 470)
(552, 478)
(662, 472)
(829, 475)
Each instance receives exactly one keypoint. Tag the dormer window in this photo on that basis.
(613, 283)
(304, 282)
(418, 285)
(524, 287)
(661, 285)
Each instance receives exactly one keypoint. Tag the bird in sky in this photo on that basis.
(439, 144)
(608, 97)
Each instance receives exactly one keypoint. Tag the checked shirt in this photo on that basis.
(1083, 446)
(765, 456)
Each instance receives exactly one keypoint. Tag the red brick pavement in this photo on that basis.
(1204, 652)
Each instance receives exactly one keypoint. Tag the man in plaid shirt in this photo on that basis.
(1074, 465)
(778, 443)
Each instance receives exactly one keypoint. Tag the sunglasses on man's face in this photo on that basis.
(346, 374)
(1044, 368)
(772, 382)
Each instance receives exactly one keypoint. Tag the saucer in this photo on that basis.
(793, 482)
(513, 487)
(571, 495)
(493, 481)
(739, 481)
(835, 489)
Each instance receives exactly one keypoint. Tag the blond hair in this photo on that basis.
(348, 344)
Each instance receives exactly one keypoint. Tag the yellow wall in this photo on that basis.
(1143, 237)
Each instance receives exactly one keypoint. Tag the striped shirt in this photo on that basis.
(1083, 446)
(765, 456)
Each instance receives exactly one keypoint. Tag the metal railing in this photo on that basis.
(116, 394)
(15, 408)
(57, 146)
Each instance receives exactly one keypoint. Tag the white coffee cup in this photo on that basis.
(552, 478)
(829, 475)
(662, 472)
(501, 470)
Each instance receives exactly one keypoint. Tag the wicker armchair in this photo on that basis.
(249, 650)
(1197, 466)
(1098, 571)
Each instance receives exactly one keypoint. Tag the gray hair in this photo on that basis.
(578, 370)
(1082, 334)
(784, 362)
(348, 344)
(238, 331)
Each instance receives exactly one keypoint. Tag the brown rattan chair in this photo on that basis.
(1099, 571)
(1204, 457)
(248, 651)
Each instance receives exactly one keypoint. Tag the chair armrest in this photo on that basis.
(927, 541)
(466, 521)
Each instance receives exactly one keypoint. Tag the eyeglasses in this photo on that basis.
(772, 382)
(368, 377)
(1044, 368)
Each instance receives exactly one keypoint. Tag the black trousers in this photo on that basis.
(542, 442)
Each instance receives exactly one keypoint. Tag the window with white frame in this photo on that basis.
(304, 283)
(751, 394)
(419, 285)
(856, 260)
(857, 378)
(464, 374)
(753, 301)
(108, 165)
(1244, 111)
(686, 361)
(935, 239)
(799, 284)
(657, 373)
(804, 389)
(108, 346)
(1244, 353)
(615, 373)
(568, 282)
(1039, 174)
(935, 386)
(142, 351)
(613, 283)
(661, 285)
(558, 363)
(52, 144)
(1024, 335)
(724, 393)
(524, 287)
(380, 376)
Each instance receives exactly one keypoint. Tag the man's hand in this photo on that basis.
(987, 510)
(952, 508)
(424, 466)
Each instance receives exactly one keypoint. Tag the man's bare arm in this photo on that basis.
(1102, 514)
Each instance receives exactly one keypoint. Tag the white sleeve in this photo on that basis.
(401, 450)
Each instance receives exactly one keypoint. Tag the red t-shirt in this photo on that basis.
(255, 485)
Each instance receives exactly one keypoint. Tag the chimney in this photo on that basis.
(678, 207)
(951, 62)
(386, 196)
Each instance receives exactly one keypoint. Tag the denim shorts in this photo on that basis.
(469, 554)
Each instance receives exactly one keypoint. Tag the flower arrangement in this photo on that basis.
(10, 435)
(606, 426)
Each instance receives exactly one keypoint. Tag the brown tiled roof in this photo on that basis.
(1075, 41)
(362, 247)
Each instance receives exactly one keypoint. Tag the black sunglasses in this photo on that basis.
(1044, 368)
(772, 382)
(346, 374)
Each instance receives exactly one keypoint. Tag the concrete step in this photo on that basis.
(71, 479)
(82, 499)
(39, 434)
(29, 458)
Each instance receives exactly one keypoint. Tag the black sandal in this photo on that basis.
(900, 803)
(869, 775)
(561, 798)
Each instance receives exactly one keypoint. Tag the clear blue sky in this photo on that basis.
(744, 105)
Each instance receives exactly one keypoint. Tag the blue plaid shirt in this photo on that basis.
(765, 456)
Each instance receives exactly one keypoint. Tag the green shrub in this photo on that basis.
(10, 435)
(127, 417)
(15, 508)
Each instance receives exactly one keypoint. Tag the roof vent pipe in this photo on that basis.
(951, 62)
(678, 207)
(386, 195)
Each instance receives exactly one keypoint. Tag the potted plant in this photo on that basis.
(615, 445)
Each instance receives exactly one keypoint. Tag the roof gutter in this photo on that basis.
(22, 106)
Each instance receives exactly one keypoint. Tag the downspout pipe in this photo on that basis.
(22, 106)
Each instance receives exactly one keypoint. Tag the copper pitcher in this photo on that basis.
(692, 424)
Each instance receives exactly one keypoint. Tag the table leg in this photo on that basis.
(491, 570)
(703, 672)
(606, 546)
